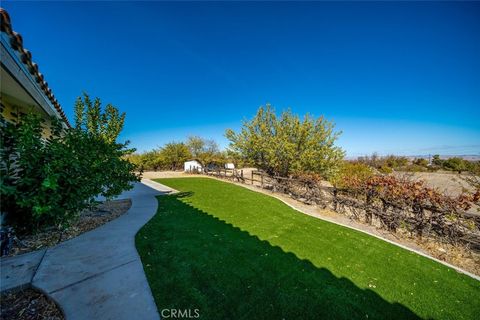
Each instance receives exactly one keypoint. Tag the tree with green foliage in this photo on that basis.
(394, 162)
(46, 182)
(136, 159)
(421, 162)
(473, 167)
(150, 160)
(286, 145)
(153, 160)
(455, 164)
(205, 150)
(436, 160)
(211, 153)
(235, 157)
(89, 117)
(196, 145)
(175, 154)
(384, 164)
(172, 155)
(351, 174)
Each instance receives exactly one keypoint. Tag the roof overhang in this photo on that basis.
(20, 78)
(18, 86)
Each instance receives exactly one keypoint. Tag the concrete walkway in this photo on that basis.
(97, 275)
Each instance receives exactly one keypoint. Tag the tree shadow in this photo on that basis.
(194, 260)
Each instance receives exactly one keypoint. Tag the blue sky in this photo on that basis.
(399, 78)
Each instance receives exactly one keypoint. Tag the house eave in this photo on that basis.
(17, 63)
(16, 69)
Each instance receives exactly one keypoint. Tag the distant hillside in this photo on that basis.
(469, 157)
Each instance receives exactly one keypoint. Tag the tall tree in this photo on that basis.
(196, 145)
(174, 154)
(205, 150)
(287, 145)
(89, 116)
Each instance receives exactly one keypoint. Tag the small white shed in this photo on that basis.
(229, 166)
(192, 165)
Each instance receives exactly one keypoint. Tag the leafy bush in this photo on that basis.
(175, 154)
(436, 160)
(473, 167)
(352, 175)
(172, 155)
(394, 162)
(385, 169)
(455, 164)
(205, 150)
(46, 182)
(421, 162)
(150, 160)
(384, 164)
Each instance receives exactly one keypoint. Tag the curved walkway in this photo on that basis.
(97, 275)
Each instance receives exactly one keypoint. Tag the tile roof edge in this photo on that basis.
(16, 42)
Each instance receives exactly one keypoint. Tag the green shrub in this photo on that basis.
(175, 154)
(455, 164)
(421, 162)
(352, 174)
(205, 150)
(150, 160)
(392, 161)
(383, 163)
(437, 161)
(385, 169)
(473, 167)
(46, 182)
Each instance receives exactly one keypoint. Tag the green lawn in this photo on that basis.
(236, 254)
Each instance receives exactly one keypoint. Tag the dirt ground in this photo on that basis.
(460, 257)
(164, 174)
(450, 183)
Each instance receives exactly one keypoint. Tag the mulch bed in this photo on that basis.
(88, 220)
(28, 304)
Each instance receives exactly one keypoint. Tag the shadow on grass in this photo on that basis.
(196, 261)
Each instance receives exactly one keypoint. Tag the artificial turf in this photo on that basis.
(233, 253)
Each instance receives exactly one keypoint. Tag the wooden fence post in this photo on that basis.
(335, 200)
(368, 209)
(252, 176)
(419, 216)
(261, 178)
